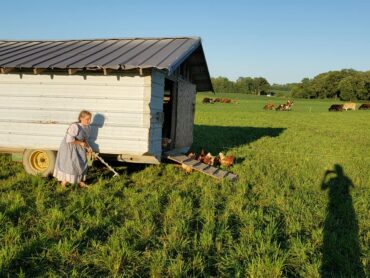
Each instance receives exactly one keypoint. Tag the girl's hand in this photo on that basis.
(83, 144)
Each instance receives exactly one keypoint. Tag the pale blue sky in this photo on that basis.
(283, 41)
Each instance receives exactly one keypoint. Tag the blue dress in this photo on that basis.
(71, 162)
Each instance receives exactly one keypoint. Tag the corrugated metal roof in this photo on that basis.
(118, 54)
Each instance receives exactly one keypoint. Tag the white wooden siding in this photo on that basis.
(35, 110)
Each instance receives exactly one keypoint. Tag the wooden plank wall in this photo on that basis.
(35, 110)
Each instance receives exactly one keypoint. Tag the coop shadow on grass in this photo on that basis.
(217, 139)
(213, 139)
(99, 170)
(341, 249)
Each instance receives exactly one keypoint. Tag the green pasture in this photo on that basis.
(299, 209)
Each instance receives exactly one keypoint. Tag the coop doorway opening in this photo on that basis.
(169, 123)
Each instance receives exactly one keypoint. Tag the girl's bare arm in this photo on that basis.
(80, 143)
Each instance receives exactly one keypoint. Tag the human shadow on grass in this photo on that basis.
(217, 139)
(341, 248)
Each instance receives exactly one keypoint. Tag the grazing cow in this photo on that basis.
(269, 106)
(336, 107)
(207, 100)
(365, 106)
(349, 105)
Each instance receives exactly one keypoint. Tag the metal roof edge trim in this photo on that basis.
(103, 39)
(205, 61)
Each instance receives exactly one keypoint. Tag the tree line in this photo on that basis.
(247, 85)
(346, 84)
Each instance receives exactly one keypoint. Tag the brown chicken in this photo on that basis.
(191, 154)
(208, 159)
(201, 156)
(226, 161)
(216, 161)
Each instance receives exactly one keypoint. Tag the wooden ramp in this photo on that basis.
(202, 167)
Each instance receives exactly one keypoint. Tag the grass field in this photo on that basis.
(299, 209)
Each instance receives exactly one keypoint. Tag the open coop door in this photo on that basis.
(185, 108)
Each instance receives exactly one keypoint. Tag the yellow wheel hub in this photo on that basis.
(39, 161)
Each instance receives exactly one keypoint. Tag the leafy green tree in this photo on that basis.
(283, 87)
(223, 85)
(260, 85)
(367, 85)
(244, 85)
(353, 87)
(326, 85)
(304, 89)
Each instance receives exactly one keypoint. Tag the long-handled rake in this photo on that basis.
(105, 163)
(101, 160)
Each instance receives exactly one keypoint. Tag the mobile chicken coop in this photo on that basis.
(141, 92)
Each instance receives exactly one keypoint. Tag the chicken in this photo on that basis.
(201, 156)
(208, 159)
(226, 161)
(187, 168)
(216, 161)
(191, 154)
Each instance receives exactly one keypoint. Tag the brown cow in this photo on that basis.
(223, 100)
(207, 100)
(364, 106)
(336, 107)
(226, 100)
(269, 106)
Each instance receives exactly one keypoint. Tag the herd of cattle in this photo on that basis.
(335, 107)
(349, 106)
(288, 105)
(221, 100)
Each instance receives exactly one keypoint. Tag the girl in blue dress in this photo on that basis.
(71, 162)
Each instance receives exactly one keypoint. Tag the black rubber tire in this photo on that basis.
(27, 165)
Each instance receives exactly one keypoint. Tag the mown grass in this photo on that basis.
(282, 218)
